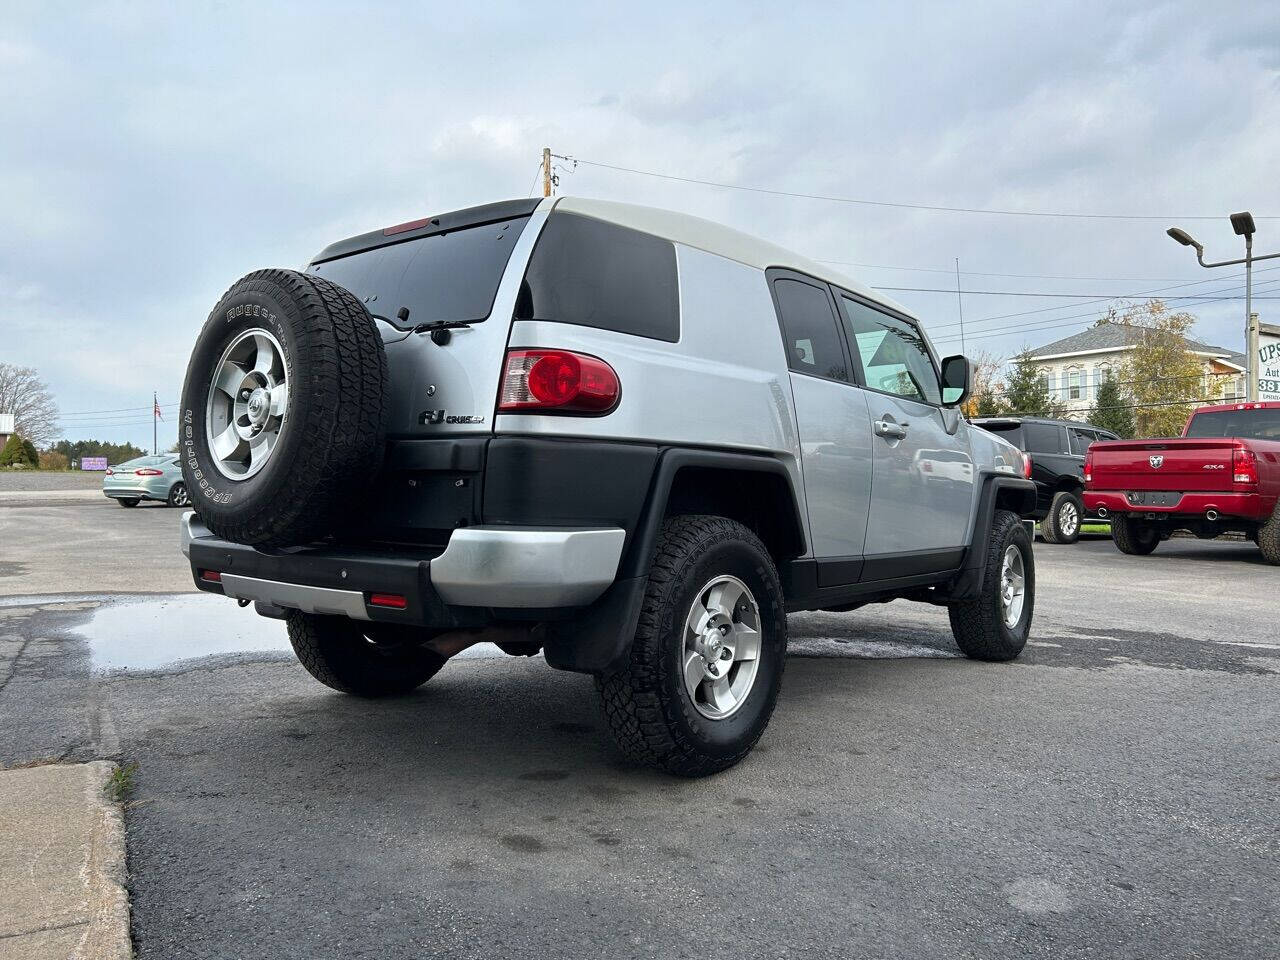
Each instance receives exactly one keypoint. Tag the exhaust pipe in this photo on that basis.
(1211, 515)
(1103, 512)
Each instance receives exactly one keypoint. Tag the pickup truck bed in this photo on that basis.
(1222, 475)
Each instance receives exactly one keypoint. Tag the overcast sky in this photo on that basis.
(152, 154)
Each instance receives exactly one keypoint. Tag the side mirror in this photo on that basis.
(955, 381)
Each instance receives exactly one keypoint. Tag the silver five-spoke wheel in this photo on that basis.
(722, 647)
(1013, 586)
(247, 403)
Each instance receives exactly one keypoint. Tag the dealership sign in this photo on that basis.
(93, 463)
(1268, 362)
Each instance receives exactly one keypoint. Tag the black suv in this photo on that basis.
(1056, 449)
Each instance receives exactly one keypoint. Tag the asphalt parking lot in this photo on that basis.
(1113, 793)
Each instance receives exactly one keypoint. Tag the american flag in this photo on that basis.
(157, 412)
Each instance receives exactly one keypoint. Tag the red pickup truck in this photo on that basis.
(1222, 475)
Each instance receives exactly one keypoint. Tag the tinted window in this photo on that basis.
(1006, 431)
(1252, 424)
(1044, 438)
(1080, 440)
(597, 274)
(892, 353)
(809, 328)
(448, 276)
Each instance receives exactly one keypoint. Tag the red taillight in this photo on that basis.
(110, 472)
(148, 472)
(1026, 465)
(1244, 466)
(1088, 466)
(393, 600)
(213, 576)
(557, 381)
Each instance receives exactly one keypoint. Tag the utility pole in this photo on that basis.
(960, 304)
(546, 171)
(155, 408)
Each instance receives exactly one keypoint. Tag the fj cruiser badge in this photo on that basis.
(427, 417)
(1156, 462)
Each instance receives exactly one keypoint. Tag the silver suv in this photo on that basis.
(629, 439)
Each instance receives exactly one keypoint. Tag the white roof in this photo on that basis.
(718, 239)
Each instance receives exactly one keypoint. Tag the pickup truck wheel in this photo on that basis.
(364, 659)
(1062, 524)
(706, 663)
(284, 409)
(1134, 536)
(994, 625)
(1268, 537)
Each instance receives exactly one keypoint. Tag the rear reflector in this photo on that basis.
(392, 600)
(557, 381)
(213, 576)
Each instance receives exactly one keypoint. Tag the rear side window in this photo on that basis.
(809, 328)
(598, 274)
(446, 276)
(1044, 438)
(1080, 440)
(1006, 431)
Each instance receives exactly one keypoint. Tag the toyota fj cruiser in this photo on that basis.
(628, 439)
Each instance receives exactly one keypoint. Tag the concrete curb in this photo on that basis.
(22, 498)
(62, 869)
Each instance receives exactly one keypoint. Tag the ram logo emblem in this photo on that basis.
(1156, 462)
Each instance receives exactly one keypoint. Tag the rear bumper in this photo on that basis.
(1245, 506)
(137, 490)
(482, 569)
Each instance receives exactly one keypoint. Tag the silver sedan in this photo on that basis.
(147, 478)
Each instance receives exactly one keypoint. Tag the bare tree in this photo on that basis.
(24, 394)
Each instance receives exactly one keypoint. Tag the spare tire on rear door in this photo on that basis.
(283, 409)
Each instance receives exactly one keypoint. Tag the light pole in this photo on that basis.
(1242, 223)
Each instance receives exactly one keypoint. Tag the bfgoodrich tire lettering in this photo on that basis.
(980, 625)
(647, 703)
(332, 428)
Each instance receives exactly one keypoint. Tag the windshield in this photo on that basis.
(446, 276)
(1251, 424)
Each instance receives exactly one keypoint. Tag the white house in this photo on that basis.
(6, 428)
(1075, 366)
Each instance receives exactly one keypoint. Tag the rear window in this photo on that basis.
(1006, 431)
(445, 276)
(598, 274)
(1250, 424)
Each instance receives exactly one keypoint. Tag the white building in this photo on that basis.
(1075, 366)
(6, 428)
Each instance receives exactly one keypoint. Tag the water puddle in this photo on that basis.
(147, 633)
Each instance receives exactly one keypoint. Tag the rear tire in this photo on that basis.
(1268, 538)
(994, 626)
(1135, 537)
(178, 496)
(1062, 524)
(362, 658)
(670, 706)
(127, 501)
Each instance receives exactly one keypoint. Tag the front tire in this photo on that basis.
(994, 625)
(361, 658)
(706, 663)
(1062, 524)
(1134, 537)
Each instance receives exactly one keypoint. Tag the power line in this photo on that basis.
(77, 413)
(886, 203)
(1065, 296)
(1019, 276)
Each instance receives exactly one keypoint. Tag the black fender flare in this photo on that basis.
(999, 491)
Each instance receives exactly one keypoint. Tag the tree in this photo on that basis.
(52, 460)
(114, 452)
(1025, 391)
(18, 453)
(1164, 377)
(1112, 410)
(24, 394)
(984, 399)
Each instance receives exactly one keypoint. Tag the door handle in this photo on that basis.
(887, 428)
